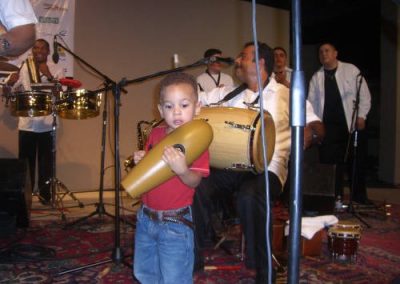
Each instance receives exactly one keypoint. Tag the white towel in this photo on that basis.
(311, 225)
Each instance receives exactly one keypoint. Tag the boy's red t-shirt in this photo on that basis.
(173, 193)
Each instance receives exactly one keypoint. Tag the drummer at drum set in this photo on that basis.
(37, 92)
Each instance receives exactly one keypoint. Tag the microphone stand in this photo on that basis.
(354, 161)
(100, 209)
(117, 254)
(297, 122)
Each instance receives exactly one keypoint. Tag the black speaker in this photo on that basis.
(15, 193)
(318, 186)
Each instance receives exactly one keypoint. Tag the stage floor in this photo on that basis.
(86, 203)
(89, 199)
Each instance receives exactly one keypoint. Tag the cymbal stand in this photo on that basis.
(100, 208)
(117, 255)
(58, 189)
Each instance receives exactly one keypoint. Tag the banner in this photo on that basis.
(55, 18)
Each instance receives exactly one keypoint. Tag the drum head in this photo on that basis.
(344, 233)
(348, 224)
(257, 146)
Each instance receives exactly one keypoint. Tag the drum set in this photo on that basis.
(69, 104)
(61, 98)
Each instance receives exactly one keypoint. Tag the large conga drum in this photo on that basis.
(237, 143)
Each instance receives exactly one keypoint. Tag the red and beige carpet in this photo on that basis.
(46, 252)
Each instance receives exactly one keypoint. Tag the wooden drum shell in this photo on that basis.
(237, 141)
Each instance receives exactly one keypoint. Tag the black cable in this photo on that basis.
(265, 147)
(13, 241)
(27, 252)
(21, 253)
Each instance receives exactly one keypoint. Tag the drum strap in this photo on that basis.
(237, 91)
(200, 87)
(33, 70)
(233, 94)
(258, 97)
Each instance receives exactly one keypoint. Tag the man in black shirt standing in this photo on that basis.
(341, 98)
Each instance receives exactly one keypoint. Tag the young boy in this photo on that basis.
(164, 245)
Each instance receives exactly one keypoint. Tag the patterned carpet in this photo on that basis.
(46, 252)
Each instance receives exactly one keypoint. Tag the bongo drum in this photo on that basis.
(343, 241)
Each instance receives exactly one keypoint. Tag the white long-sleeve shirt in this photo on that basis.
(348, 79)
(16, 13)
(208, 84)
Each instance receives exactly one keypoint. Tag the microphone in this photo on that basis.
(227, 60)
(56, 56)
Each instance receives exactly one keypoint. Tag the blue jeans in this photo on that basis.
(164, 251)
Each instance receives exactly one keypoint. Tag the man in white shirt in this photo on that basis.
(250, 188)
(18, 19)
(282, 72)
(35, 133)
(333, 91)
(213, 77)
(314, 132)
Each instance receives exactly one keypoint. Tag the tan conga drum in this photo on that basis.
(237, 143)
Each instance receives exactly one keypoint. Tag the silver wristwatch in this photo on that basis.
(4, 45)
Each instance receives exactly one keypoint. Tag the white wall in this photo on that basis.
(131, 39)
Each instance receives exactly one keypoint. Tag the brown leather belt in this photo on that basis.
(174, 216)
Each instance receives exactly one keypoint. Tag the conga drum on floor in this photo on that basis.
(343, 241)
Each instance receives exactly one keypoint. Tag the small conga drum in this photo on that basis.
(343, 242)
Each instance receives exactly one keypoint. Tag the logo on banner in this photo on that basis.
(54, 7)
(49, 20)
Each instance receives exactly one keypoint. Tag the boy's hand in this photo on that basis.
(138, 156)
(176, 160)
